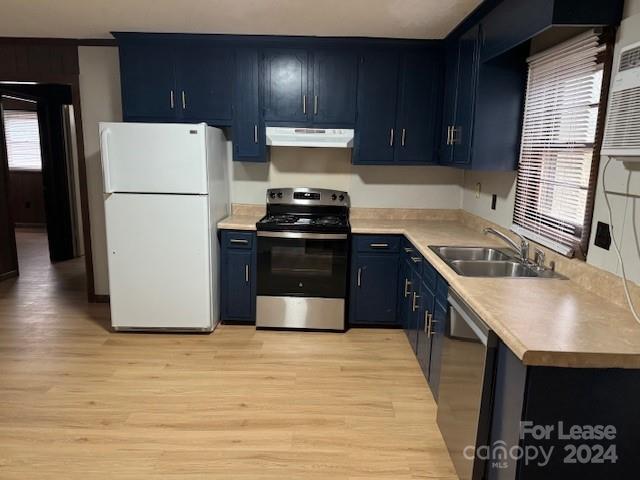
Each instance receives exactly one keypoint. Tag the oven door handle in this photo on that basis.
(304, 235)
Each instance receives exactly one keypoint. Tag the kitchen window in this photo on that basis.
(560, 144)
(22, 135)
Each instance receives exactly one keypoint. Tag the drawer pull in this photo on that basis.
(359, 277)
(379, 245)
(239, 241)
(246, 273)
(408, 250)
(416, 259)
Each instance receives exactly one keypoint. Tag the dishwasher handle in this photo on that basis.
(471, 319)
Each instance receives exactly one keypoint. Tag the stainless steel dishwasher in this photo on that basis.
(466, 387)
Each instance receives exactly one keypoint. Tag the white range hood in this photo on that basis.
(310, 137)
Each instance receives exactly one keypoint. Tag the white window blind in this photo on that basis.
(23, 140)
(555, 185)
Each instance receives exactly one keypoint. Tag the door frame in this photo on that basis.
(73, 81)
(4, 176)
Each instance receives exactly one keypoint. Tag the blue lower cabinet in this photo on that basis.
(439, 325)
(374, 285)
(413, 314)
(424, 328)
(237, 277)
(404, 293)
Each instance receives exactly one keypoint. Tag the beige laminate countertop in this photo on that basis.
(547, 322)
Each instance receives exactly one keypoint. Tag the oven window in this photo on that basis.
(302, 267)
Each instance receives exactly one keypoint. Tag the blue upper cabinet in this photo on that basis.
(420, 101)
(310, 87)
(377, 99)
(399, 107)
(286, 86)
(248, 128)
(169, 81)
(205, 80)
(148, 81)
(449, 103)
(335, 78)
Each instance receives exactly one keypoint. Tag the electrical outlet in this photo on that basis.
(478, 188)
(603, 236)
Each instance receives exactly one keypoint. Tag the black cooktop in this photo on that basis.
(304, 222)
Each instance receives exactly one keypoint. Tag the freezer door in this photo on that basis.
(159, 262)
(154, 158)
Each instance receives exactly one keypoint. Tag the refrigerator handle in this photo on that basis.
(104, 148)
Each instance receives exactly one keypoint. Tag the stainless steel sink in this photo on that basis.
(492, 268)
(470, 253)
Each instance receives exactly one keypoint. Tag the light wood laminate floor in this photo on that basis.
(77, 401)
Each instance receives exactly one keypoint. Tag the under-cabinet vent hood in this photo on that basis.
(310, 137)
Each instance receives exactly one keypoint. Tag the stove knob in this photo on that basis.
(333, 196)
(272, 194)
(279, 194)
(341, 197)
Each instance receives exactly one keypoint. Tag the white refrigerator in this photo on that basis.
(166, 187)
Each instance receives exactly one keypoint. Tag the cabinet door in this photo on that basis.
(377, 96)
(334, 88)
(465, 101)
(236, 280)
(148, 82)
(423, 332)
(419, 108)
(374, 289)
(248, 128)
(439, 324)
(449, 102)
(286, 91)
(205, 80)
(414, 310)
(404, 294)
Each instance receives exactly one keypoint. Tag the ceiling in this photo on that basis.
(353, 18)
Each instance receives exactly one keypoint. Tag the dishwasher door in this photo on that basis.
(466, 387)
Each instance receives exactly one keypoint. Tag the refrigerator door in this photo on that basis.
(154, 158)
(160, 271)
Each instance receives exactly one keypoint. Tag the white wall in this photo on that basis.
(626, 209)
(368, 186)
(100, 102)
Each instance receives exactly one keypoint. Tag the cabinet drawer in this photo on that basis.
(429, 275)
(406, 249)
(377, 243)
(232, 239)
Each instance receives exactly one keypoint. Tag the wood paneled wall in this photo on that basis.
(32, 58)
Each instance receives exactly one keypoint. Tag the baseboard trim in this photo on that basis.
(100, 299)
(8, 275)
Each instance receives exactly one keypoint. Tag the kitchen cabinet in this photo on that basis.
(439, 324)
(404, 289)
(237, 277)
(399, 107)
(424, 326)
(310, 87)
(248, 127)
(148, 81)
(176, 81)
(374, 280)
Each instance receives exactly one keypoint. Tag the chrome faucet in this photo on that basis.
(521, 250)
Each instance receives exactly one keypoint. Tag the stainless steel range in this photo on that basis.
(303, 245)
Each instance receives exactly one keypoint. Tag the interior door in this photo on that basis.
(159, 261)
(335, 76)
(205, 84)
(8, 252)
(286, 89)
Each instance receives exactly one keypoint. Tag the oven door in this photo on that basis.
(301, 264)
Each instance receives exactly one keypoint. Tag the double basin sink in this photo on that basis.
(488, 262)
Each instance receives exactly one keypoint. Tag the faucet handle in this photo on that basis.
(539, 257)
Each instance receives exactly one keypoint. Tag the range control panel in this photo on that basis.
(307, 196)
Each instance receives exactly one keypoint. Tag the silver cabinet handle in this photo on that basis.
(391, 138)
(454, 138)
(408, 250)
(246, 273)
(379, 245)
(184, 101)
(304, 104)
(428, 321)
(448, 134)
(414, 305)
(404, 134)
(240, 241)
(172, 100)
(255, 134)
(315, 104)
(416, 259)
(359, 277)
(407, 284)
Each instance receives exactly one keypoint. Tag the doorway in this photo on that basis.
(40, 157)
